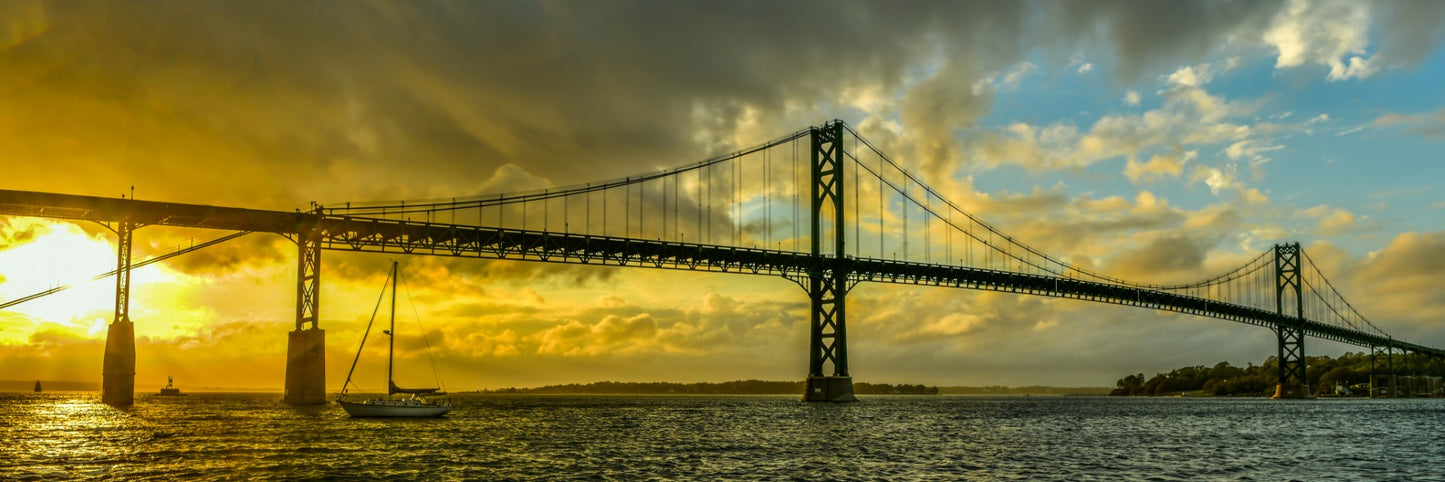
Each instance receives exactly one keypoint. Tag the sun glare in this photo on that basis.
(63, 254)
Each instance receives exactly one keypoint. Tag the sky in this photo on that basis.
(1168, 138)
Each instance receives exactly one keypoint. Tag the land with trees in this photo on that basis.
(1323, 373)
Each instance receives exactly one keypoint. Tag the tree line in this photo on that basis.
(1323, 374)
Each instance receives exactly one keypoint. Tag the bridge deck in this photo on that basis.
(421, 238)
(112, 210)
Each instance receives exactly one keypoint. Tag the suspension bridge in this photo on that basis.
(822, 207)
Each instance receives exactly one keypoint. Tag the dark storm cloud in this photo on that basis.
(397, 98)
(1148, 35)
(1166, 255)
(298, 101)
(1413, 29)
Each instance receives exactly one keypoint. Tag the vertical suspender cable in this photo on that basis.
(709, 204)
(642, 209)
(677, 228)
(697, 200)
(672, 231)
(664, 207)
(882, 253)
(905, 216)
(627, 208)
(796, 188)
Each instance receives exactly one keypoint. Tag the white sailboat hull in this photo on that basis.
(393, 408)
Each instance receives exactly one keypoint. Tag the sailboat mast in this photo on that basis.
(391, 343)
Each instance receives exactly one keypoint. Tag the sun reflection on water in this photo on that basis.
(67, 434)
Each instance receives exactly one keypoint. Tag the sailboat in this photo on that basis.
(414, 404)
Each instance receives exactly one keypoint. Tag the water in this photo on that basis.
(491, 437)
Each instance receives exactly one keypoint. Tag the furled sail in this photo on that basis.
(414, 391)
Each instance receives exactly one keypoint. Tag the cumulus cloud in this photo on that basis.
(1333, 220)
(1331, 33)
(1253, 196)
(1131, 98)
(1219, 180)
(1158, 166)
(1166, 138)
(612, 335)
(1398, 287)
(1190, 77)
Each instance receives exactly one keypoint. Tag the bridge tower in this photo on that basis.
(1388, 353)
(306, 348)
(827, 283)
(117, 386)
(1291, 335)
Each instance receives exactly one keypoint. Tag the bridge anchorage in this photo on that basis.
(881, 224)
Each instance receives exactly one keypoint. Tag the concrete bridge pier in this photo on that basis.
(1293, 391)
(118, 372)
(829, 389)
(306, 367)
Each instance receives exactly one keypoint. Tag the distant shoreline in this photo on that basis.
(763, 387)
(737, 387)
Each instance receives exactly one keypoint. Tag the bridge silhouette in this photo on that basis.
(822, 207)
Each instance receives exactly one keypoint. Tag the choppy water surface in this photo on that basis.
(489, 437)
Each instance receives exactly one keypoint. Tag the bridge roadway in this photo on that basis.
(345, 233)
